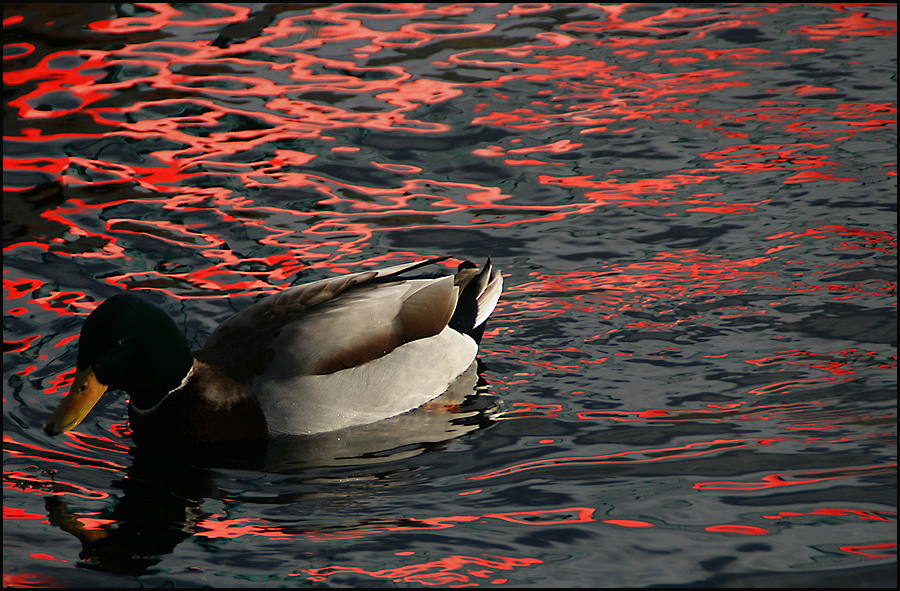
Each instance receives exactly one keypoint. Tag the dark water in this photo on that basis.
(692, 372)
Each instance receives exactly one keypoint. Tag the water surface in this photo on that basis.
(690, 378)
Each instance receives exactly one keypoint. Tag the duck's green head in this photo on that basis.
(130, 344)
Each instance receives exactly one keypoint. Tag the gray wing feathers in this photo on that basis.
(362, 326)
(329, 325)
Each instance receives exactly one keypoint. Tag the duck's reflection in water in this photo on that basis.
(164, 489)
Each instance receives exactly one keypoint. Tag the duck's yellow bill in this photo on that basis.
(86, 391)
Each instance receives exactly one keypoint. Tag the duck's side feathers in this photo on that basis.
(406, 378)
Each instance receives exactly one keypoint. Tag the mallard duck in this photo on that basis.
(335, 353)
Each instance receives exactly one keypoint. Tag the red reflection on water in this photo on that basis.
(235, 528)
(680, 276)
(447, 568)
(265, 66)
(751, 158)
(756, 413)
(861, 239)
(214, 526)
(270, 79)
(748, 530)
(795, 384)
(75, 442)
(27, 482)
(399, 168)
(278, 63)
(830, 362)
(637, 456)
(865, 515)
(873, 550)
(17, 288)
(453, 571)
(30, 580)
(628, 523)
(166, 16)
(796, 478)
(530, 409)
(845, 28)
(672, 275)
(18, 345)
(14, 513)
(48, 557)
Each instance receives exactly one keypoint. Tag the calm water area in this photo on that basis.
(690, 378)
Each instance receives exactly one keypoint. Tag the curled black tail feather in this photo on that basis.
(480, 292)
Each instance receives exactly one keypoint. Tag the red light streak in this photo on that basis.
(865, 515)
(795, 478)
(636, 456)
(449, 571)
(748, 530)
(872, 550)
